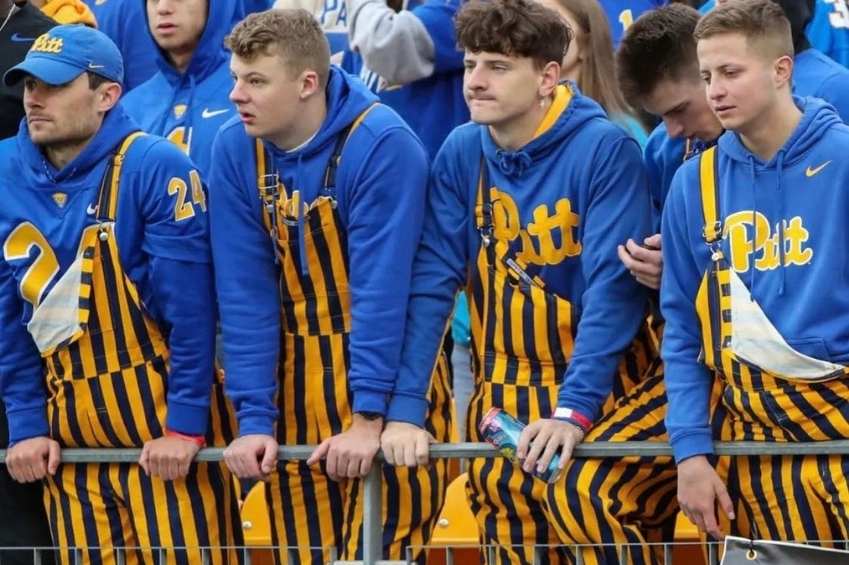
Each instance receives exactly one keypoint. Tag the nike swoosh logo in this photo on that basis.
(207, 113)
(18, 38)
(93, 66)
(91, 210)
(812, 171)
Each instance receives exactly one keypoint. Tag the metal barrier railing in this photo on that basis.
(372, 495)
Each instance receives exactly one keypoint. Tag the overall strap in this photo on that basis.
(329, 187)
(709, 188)
(107, 198)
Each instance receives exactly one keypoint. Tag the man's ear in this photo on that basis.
(108, 95)
(550, 78)
(309, 84)
(783, 70)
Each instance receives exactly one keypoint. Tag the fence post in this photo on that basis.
(373, 516)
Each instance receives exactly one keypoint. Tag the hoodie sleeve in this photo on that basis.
(21, 375)
(438, 272)
(405, 46)
(246, 278)
(688, 381)
(176, 237)
(614, 303)
(384, 226)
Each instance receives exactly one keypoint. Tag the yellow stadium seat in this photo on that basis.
(255, 525)
(687, 532)
(456, 525)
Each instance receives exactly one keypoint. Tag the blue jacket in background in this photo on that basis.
(125, 22)
(828, 31)
(431, 106)
(584, 159)
(188, 108)
(622, 13)
(806, 298)
(380, 186)
(169, 261)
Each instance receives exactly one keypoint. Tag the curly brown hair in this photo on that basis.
(516, 28)
(293, 34)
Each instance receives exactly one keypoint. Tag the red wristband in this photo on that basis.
(200, 441)
(573, 417)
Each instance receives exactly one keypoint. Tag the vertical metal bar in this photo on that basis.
(623, 554)
(667, 554)
(372, 516)
(120, 556)
(334, 554)
(449, 556)
(490, 551)
(711, 553)
(204, 555)
(36, 556)
(246, 556)
(536, 557)
(162, 560)
(291, 556)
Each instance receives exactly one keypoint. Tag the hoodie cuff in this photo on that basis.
(256, 425)
(26, 424)
(690, 444)
(409, 409)
(187, 418)
(369, 401)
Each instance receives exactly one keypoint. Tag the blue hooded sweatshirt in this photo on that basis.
(125, 23)
(380, 188)
(582, 163)
(169, 261)
(799, 198)
(434, 105)
(829, 29)
(622, 13)
(188, 108)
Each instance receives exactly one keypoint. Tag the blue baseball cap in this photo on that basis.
(65, 52)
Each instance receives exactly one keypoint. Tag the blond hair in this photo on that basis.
(761, 22)
(292, 34)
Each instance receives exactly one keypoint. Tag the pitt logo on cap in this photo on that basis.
(47, 44)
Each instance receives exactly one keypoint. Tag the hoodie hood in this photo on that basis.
(817, 116)
(347, 97)
(567, 114)
(41, 174)
(210, 51)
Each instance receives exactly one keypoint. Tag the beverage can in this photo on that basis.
(503, 431)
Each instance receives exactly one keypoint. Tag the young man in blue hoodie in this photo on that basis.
(530, 232)
(317, 194)
(187, 100)
(755, 240)
(103, 230)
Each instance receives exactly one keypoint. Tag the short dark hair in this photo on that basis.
(761, 22)
(293, 34)
(656, 47)
(95, 80)
(517, 28)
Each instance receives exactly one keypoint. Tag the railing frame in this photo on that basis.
(372, 496)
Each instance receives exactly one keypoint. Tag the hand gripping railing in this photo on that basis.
(372, 497)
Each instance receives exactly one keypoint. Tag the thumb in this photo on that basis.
(430, 438)
(144, 458)
(320, 452)
(653, 240)
(54, 457)
(269, 458)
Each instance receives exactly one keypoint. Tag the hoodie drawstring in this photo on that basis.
(752, 269)
(781, 222)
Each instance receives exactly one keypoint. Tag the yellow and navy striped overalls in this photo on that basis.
(107, 387)
(311, 514)
(522, 342)
(786, 497)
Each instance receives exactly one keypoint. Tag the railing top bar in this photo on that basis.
(467, 450)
